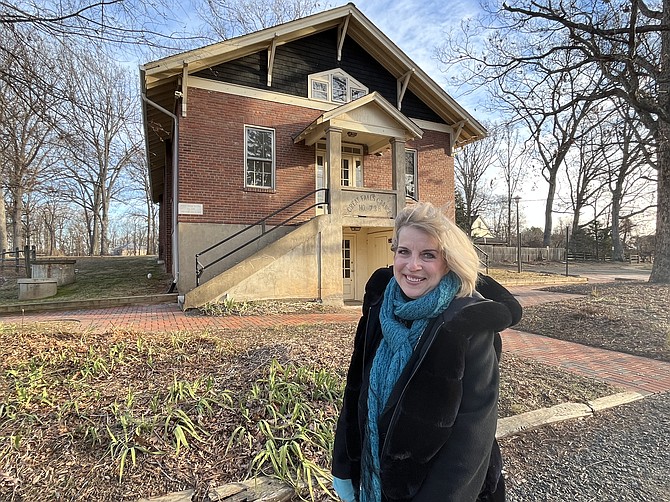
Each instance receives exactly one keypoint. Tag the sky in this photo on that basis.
(417, 27)
(421, 30)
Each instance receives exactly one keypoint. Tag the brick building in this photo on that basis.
(240, 139)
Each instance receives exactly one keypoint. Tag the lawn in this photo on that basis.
(98, 277)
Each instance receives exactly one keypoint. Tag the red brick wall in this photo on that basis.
(211, 146)
(436, 170)
(211, 171)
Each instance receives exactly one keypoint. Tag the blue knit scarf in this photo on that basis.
(392, 355)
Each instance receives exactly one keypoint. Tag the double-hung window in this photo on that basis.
(259, 157)
(411, 173)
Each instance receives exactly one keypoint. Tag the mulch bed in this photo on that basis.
(630, 317)
(46, 454)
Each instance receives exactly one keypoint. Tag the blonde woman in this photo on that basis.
(420, 407)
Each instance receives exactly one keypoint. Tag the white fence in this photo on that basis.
(505, 254)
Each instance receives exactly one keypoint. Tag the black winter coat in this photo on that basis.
(437, 431)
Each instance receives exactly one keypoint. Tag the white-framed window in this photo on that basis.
(259, 157)
(411, 174)
(336, 86)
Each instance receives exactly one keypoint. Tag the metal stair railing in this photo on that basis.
(200, 268)
(485, 261)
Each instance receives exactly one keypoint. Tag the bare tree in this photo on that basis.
(4, 243)
(624, 45)
(540, 104)
(26, 135)
(138, 175)
(630, 173)
(228, 19)
(497, 216)
(471, 164)
(587, 165)
(127, 22)
(101, 139)
(514, 163)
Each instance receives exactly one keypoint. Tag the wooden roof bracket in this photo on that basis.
(458, 127)
(341, 35)
(402, 83)
(271, 57)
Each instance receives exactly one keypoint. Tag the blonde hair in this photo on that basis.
(455, 245)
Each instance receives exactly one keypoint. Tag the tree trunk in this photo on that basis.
(660, 271)
(104, 224)
(17, 216)
(618, 251)
(546, 240)
(4, 242)
(509, 218)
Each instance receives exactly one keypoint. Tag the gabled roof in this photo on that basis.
(380, 121)
(159, 78)
(359, 28)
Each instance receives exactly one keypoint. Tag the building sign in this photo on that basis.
(185, 208)
(371, 205)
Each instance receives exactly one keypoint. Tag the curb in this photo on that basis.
(99, 303)
(533, 419)
(260, 489)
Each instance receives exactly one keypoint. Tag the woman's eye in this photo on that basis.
(428, 256)
(402, 251)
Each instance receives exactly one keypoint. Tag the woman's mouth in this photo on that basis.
(413, 280)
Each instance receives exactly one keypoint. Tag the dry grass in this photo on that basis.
(75, 408)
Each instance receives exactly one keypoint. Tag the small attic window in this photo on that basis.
(335, 86)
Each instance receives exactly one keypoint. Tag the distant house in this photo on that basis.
(281, 158)
(480, 230)
(129, 250)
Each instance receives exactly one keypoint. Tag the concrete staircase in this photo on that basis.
(284, 269)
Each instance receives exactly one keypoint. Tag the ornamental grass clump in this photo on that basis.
(290, 411)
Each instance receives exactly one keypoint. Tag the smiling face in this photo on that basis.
(418, 263)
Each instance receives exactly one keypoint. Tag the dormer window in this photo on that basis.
(335, 86)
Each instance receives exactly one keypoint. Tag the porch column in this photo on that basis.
(334, 167)
(398, 175)
(330, 231)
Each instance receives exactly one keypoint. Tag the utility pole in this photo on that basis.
(518, 236)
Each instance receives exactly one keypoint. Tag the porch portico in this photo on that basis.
(370, 121)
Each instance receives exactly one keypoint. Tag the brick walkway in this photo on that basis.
(169, 317)
(638, 374)
(629, 372)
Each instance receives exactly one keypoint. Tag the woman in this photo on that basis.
(420, 405)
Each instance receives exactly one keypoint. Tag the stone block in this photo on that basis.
(34, 289)
(54, 268)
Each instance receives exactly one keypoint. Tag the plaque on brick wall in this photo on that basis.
(185, 208)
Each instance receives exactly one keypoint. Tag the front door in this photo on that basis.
(381, 254)
(348, 270)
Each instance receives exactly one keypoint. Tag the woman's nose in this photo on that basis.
(414, 263)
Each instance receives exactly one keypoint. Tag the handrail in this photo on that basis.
(486, 257)
(200, 268)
